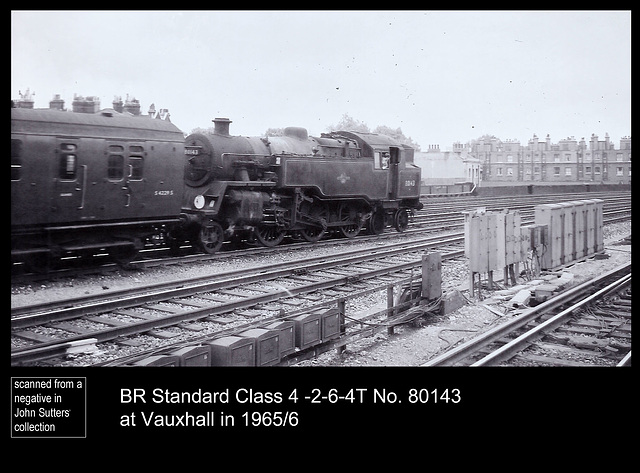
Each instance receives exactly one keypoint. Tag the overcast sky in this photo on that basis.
(442, 76)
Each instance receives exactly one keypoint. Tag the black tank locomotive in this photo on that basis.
(261, 189)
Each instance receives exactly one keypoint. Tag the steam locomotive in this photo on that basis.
(84, 183)
(264, 188)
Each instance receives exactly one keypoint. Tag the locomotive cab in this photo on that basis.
(393, 183)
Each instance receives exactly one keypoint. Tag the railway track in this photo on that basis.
(234, 299)
(587, 325)
(430, 219)
(166, 311)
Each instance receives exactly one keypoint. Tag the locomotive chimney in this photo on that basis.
(221, 126)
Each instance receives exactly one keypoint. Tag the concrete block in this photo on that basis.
(521, 299)
(565, 280)
(452, 301)
(545, 291)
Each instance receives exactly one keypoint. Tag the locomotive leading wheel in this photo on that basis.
(347, 213)
(210, 237)
(268, 235)
(401, 220)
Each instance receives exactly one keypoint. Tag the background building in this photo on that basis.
(448, 167)
(568, 160)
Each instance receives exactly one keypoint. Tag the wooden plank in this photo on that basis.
(553, 361)
(69, 327)
(164, 334)
(564, 348)
(164, 308)
(34, 336)
(213, 297)
(220, 320)
(135, 314)
(106, 321)
(193, 326)
(129, 342)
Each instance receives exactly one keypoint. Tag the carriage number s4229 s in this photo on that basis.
(163, 193)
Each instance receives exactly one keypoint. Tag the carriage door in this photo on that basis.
(133, 184)
(71, 180)
(394, 173)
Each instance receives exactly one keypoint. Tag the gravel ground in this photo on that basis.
(27, 294)
(410, 345)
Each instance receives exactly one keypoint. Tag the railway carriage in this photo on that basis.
(85, 183)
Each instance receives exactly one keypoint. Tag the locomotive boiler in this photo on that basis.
(262, 189)
(83, 183)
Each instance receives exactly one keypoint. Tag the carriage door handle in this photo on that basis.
(84, 185)
(128, 189)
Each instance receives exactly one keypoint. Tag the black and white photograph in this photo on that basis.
(393, 200)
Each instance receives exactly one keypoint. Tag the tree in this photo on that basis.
(347, 123)
(397, 135)
(274, 132)
(202, 130)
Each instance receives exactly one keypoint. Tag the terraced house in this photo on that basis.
(568, 160)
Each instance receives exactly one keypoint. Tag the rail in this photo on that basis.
(474, 345)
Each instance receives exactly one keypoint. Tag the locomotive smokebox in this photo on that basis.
(221, 126)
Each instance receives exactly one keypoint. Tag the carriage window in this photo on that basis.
(16, 159)
(115, 169)
(68, 162)
(68, 167)
(136, 164)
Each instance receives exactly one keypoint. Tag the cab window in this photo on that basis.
(381, 160)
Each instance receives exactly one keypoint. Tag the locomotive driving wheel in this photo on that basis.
(401, 220)
(316, 213)
(269, 235)
(312, 234)
(349, 214)
(210, 237)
